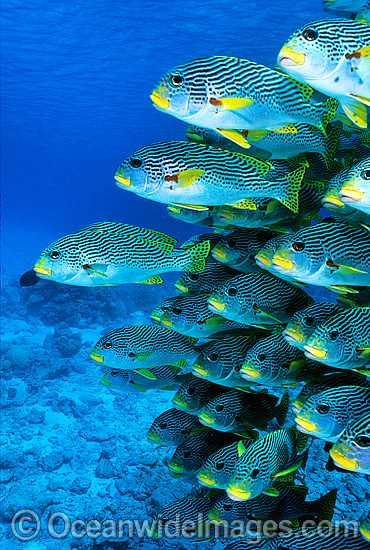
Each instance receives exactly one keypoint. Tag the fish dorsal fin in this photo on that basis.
(166, 248)
(355, 110)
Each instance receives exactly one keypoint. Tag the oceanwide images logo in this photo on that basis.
(26, 525)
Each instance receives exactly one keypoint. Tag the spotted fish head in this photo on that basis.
(328, 344)
(142, 172)
(295, 257)
(352, 450)
(315, 49)
(161, 309)
(67, 261)
(266, 252)
(228, 299)
(172, 427)
(114, 350)
(355, 188)
(222, 412)
(183, 91)
(250, 478)
(113, 377)
(217, 468)
(192, 394)
(226, 509)
(212, 363)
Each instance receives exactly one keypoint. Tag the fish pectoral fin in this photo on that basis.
(362, 370)
(155, 280)
(256, 135)
(142, 357)
(287, 471)
(343, 269)
(365, 352)
(355, 110)
(296, 365)
(97, 269)
(272, 492)
(188, 177)
(146, 373)
(192, 207)
(342, 289)
(234, 136)
(241, 448)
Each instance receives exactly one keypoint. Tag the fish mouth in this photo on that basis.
(200, 370)
(313, 352)
(192, 136)
(160, 101)
(183, 289)
(122, 182)
(105, 381)
(204, 480)
(42, 271)
(215, 305)
(263, 260)
(215, 517)
(166, 322)
(282, 265)
(176, 468)
(332, 203)
(174, 209)
(94, 355)
(204, 418)
(290, 58)
(155, 318)
(296, 408)
(305, 425)
(237, 494)
(219, 254)
(350, 195)
(179, 402)
(293, 336)
(343, 462)
(154, 438)
(249, 373)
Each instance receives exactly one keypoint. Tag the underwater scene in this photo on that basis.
(185, 298)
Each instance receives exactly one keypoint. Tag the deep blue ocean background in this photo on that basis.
(76, 79)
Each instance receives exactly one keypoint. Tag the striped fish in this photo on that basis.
(235, 411)
(304, 322)
(355, 188)
(272, 361)
(327, 254)
(190, 316)
(111, 254)
(343, 341)
(195, 175)
(189, 456)
(311, 538)
(194, 393)
(225, 93)
(327, 382)
(327, 414)
(143, 346)
(289, 504)
(219, 467)
(332, 56)
(205, 281)
(221, 361)
(164, 377)
(352, 450)
(266, 461)
(255, 298)
(238, 248)
(173, 427)
(332, 201)
(270, 145)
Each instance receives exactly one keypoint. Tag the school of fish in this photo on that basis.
(276, 164)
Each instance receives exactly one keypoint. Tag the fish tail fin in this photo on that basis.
(323, 508)
(290, 198)
(331, 106)
(332, 144)
(282, 408)
(198, 254)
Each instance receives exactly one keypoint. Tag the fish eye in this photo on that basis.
(310, 35)
(164, 308)
(177, 310)
(177, 80)
(365, 174)
(194, 276)
(187, 454)
(228, 507)
(107, 344)
(254, 473)
(298, 246)
(131, 354)
(220, 466)
(219, 408)
(322, 409)
(163, 425)
(308, 321)
(184, 432)
(237, 418)
(232, 291)
(114, 372)
(261, 356)
(333, 335)
(191, 391)
(136, 163)
(54, 254)
(231, 243)
(251, 257)
(363, 441)
(213, 357)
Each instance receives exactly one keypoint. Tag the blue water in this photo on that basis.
(76, 80)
